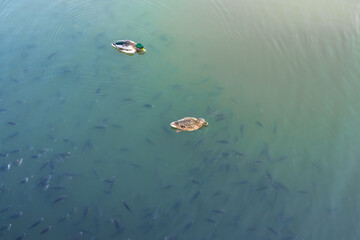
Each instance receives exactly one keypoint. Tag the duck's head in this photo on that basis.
(205, 123)
(140, 48)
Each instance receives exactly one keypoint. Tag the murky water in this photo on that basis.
(278, 82)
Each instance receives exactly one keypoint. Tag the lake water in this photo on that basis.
(278, 81)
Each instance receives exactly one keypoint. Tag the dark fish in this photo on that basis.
(274, 129)
(127, 99)
(25, 180)
(18, 162)
(78, 235)
(100, 126)
(195, 182)
(5, 209)
(149, 141)
(242, 129)
(16, 215)
(272, 230)
(195, 196)
(259, 124)
(6, 227)
(5, 167)
(222, 141)
(187, 226)
(11, 136)
(168, 186)
(21, 237)
(4, 155)
(117, 224)
(262, 188)
(11, 123)
(126, 206)
(45, 230)
(219, 211)
(60, 199)
(280, 186)
(98, 90)
(95, 173)
(217, 193)
(109, 181)
(64, 218)
(2, 110)
(36, 223)
(148, 105)
(268, 175)
(86, 212)
(177, 204)
(210, 220)
(51, 55)
(44, 181)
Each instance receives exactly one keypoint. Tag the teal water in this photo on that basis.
(278, 82)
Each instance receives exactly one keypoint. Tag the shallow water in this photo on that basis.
(278, 82)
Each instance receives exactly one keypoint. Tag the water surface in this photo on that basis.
(278, 82)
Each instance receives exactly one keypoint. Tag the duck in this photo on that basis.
(129, 47)
(188, 124)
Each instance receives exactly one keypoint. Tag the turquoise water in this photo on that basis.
(278, 82)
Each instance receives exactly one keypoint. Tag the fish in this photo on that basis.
(18, 162)
(168, 186)
(3, 110)
(6, 227)
(78, 235)
(25, 180)
(126, 206)
(274, 129)
(177, 204)
(16, 215)
(259, 124)
(195, 181)
(268, 175)
(149, 141)
(45, 180)
(219, 211)
(36, 223)
(60, 199)
(222, 141)
(5, 167)
(148, 105)
(98, 90)
(242, 129)
(45, 230)
(64, 218)
(4, 155)
(210, 220)
(272, 230)
(5, 209)
(11, 123)
(51, 55)
(85, 212)
(195, 196)
(21, 237)
(11, 136)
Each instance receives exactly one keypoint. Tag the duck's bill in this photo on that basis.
(144, 50)
(206, 123)
(173, 125)
(114, 45)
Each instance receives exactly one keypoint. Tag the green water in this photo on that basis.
(278, 82)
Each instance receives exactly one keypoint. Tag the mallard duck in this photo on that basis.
(129, 47)
(189, 124)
